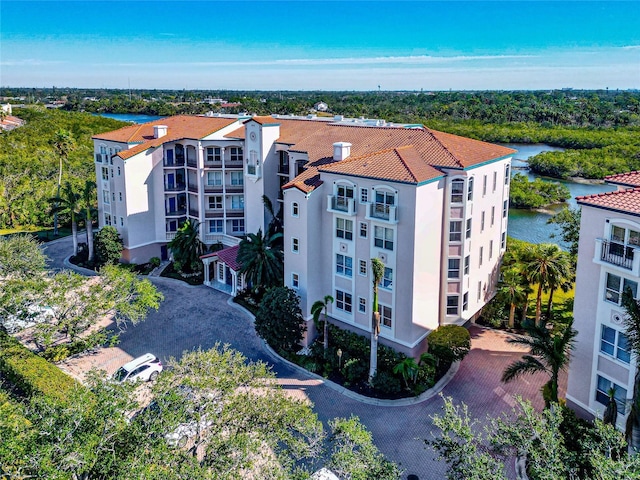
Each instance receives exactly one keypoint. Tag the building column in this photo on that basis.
(206, 262)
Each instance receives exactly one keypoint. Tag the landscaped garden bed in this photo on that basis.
(195, 278)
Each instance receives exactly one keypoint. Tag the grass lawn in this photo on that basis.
(562, 303)
(44, 234)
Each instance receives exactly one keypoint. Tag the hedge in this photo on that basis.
(30, 373)
(449, 342)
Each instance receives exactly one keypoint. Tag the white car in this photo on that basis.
(145, 368)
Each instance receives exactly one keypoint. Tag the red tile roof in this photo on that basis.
(625, 201)
(629, 179)
(228, 256)
(178, 127)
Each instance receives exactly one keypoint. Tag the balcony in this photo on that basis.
(344, 205)
(175, 187)
(213, 188)
(618, 254)
(233, 163)
(173, 163)
(213, 213)
(234, 188)
(176, 212)
(171, 235)
(382, 212)
(283, 169)
(192, 187)
(193, 212)
(254, 171)
(192, 162)
(235, 213)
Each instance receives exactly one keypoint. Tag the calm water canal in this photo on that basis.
(532, 226)
(523, 224)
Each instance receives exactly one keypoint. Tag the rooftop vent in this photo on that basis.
(341, 150)
(159, 131)
(338, 118)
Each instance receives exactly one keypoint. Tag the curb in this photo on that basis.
(402, 402)
(84, 271)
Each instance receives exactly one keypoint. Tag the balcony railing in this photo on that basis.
(283, 169)
(235, 212)
(382, 211)
(233, 163)
(234, 188)
(173, 163)
(254, 170)
(341, 205)
(617, 254)
(213, 213)
(171, 235)
(176, 213)
(213, 188)
(175, 187)
(192, 162)
(193, 212)
(192, 187)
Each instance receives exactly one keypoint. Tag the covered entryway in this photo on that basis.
(222, 270)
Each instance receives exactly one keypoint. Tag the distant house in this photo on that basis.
(8, 121)
(321, 107)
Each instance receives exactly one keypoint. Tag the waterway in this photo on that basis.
(532, 225)
(131, 117)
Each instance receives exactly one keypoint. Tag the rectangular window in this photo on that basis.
(362, 270)
(505, 205)
(121, 221)
(467, 232)
(344, 228)
(452, 304)
(113, 196)
(480, 256)
(364, 195)
(454, 268)
(344, 265)
(237, 202)
(484, 185)
(105, 173)
(294, 209)
(490, 249)
(479, 290)
(615, 343)
(467, 261)
(363, 229)
(455, 231)
(503, 240)
(493, 215)
(470, 189)
(120, 195)
(482, 222)
(237, 226)
(383, 237)
(235, 154)
(214, 179)
(107, 219)
(387, 279)
(507, 174)
(386, 316)
(465, 302)
(362, 305)
(495, 180)
(215, 202)
(343, 301)
(119, 171)
(602, 394)
(216, 226)
(616, 285)
(214, 154)
(295, 245)
(237, 178)
(221, 272)
(105, 196)
(295, 281)
(457, 191)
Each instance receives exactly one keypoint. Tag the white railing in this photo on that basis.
(342, 205)
(382, 212)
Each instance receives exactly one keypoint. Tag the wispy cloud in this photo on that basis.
(30, 62)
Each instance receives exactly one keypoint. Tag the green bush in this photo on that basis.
(387, 383)
(30, 373)
(279, 320)
(449, 343)
(155, 262)
(108, 246)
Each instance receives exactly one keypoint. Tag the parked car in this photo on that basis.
(145, 368)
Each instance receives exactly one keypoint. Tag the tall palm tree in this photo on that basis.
(275, 225)
(88, 200)
(549, 353)
(261, 261)
(187, 247)
(317, 308)
(68, 202)
(377, 270)
(512, 290)
(548, 262)
(632, 332)
(62, 143)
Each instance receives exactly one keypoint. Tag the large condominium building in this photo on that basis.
(432, 206)
(608, 263)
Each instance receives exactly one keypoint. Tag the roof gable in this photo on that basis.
(624, 201)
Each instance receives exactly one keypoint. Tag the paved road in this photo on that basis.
(192, 317)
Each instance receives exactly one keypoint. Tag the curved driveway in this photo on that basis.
(192, 317)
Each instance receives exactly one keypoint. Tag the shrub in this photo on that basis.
(108, 246)
(279, 320)
(450, 343)
(30, 373)
(155, 262)
(386, 383)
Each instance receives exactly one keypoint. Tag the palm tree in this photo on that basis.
(63, 144)
(512, 291)
(408, 368)
(261, 261)
(187, 247)
(377, 270)
(275, 225)
(548, 262)
(632, 332)
(68, 202)
(318, 307)
(88, 202)
(610, 414)
(549, 353)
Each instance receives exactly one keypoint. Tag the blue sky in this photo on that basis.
(334, 45)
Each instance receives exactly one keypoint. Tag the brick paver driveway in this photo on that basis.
(192, 317)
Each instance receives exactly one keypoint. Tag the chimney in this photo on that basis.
(341, 150)
(159, 131)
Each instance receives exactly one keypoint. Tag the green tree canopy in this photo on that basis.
(279, 320)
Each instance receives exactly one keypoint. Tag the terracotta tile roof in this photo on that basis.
(178, 127)
(625, 201)
(227, 255)
(402, 164)
(629, 179)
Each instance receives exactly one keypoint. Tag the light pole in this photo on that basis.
(339, 353)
